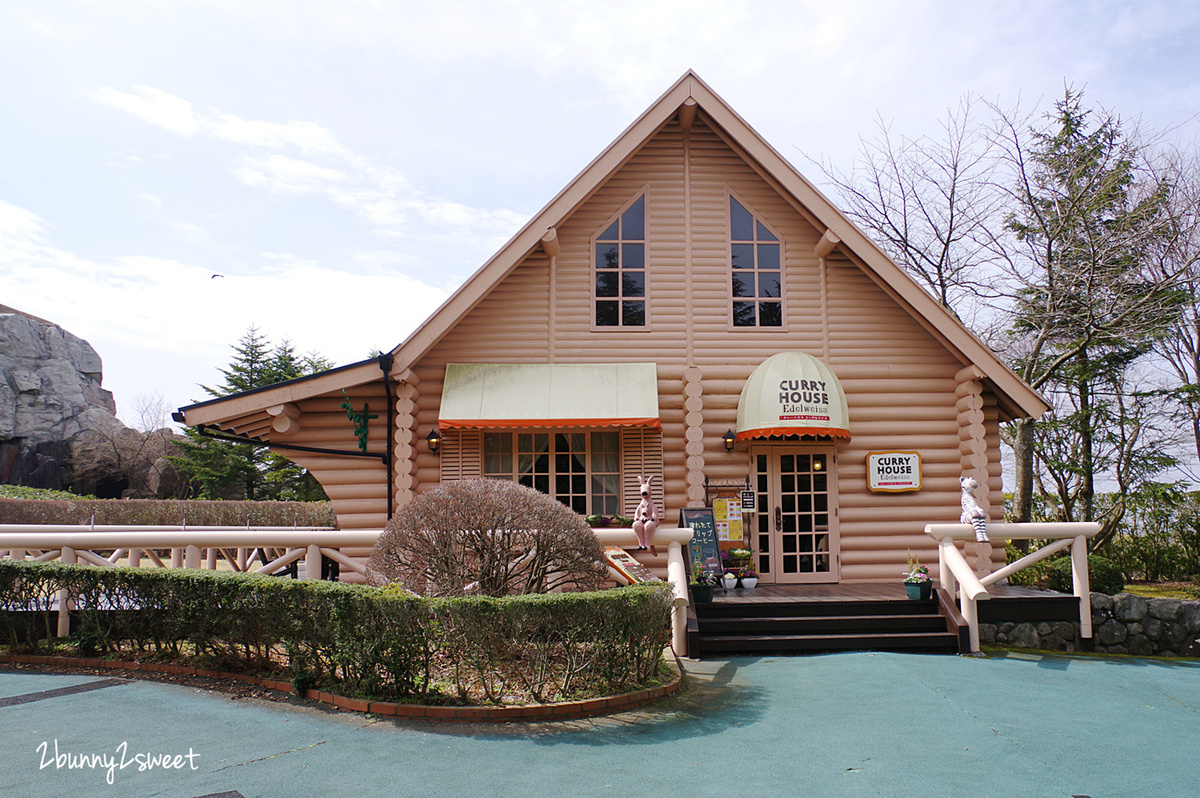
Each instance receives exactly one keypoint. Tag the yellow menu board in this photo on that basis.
(727, 514)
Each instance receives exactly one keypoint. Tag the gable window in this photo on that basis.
(580, 469)
(756, 278)
(620, 269)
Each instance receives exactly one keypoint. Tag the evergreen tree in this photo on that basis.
(224, 470)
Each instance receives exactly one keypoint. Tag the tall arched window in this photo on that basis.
(755, 257)
(620, 269)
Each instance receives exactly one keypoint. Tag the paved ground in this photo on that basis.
(856, 724)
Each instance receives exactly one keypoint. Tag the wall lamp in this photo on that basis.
(434, 440)
(730, 439)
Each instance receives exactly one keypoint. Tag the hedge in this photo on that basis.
(156, 512)
(372, 642)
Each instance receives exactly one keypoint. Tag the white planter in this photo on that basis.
(749, 581)
(730, 581)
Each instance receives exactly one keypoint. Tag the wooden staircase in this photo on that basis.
(781, 625)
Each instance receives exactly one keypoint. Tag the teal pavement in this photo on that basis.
(858, 724)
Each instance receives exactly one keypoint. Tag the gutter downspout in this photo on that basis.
(385, 365)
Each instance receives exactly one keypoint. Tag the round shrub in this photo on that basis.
(486, 537)
(1103, 576)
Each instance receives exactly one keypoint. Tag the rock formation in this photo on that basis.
(50, 395)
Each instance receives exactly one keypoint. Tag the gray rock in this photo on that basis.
(1023, 635)
(1174, 635)
(1043, 628)
(49, 382)
(1165, 609)
(1128, 607)
(1102, 602)
(1065, 629)
(1135, 628)
(1111, 633)
(1153, 628)
(987, 634)
(1189, 616)
(1140, 645)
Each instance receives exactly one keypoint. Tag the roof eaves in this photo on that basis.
(240, 404)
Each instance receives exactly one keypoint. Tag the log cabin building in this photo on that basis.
(689, 306)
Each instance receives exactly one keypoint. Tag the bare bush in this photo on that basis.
(487, 537)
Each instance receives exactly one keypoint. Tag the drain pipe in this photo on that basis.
(385, 365)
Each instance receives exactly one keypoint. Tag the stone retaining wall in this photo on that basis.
(1121, 624)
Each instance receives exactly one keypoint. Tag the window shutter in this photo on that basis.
(462, 454)
(641, 453)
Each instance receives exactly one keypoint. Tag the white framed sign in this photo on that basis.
(893, 472)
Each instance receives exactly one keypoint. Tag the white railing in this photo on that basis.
(273, 547)
(190, 547)
(957, 576)
(673, 539)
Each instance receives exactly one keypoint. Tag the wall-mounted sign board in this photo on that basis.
(703, 547)
(749, 501)
(893, 472)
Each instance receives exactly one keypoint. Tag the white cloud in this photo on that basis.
(284, 174)
(308, 137)
(375, 192)
(162, 325)
(154, 106)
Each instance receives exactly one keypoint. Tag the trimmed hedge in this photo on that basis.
(354, 639)
(154, 512)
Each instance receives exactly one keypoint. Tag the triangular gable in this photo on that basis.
(688, 94)
(1017, 399)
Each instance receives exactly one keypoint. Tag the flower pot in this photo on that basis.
(749, 581)
(730, 581)
(918, 590)
(702, 594)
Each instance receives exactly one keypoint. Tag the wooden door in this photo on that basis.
(795, 525)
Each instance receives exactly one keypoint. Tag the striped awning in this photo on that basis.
(511, 395)
(792, 393)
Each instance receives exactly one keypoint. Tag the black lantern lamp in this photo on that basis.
(434, 439)
(730, 439)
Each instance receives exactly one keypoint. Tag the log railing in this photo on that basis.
(274, 548)
(957, 575)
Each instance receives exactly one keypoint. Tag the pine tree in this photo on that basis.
(224, 470)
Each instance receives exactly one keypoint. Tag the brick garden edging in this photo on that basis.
(562, 710)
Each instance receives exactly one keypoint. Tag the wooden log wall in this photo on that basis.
(900, 378)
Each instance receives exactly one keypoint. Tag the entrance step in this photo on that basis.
(741, 627)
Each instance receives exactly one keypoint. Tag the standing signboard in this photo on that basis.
(703, 549)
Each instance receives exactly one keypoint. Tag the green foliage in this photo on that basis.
(150, 512)
(22, 492)
(353, 639)
(1159, 538)
(1104, 576)
(224, 470)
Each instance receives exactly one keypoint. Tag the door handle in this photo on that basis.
(778, 518)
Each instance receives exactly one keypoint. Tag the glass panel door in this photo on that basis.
(796, 523)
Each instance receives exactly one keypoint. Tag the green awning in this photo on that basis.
(498, 395)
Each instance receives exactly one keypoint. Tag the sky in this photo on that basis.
(172, 173)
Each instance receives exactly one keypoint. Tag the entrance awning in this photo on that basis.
(792, 393)
(491, 395)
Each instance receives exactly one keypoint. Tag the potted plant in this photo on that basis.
(918, 584)
(702, 586)
(749, 577)
(730, 579)
(741, 557)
